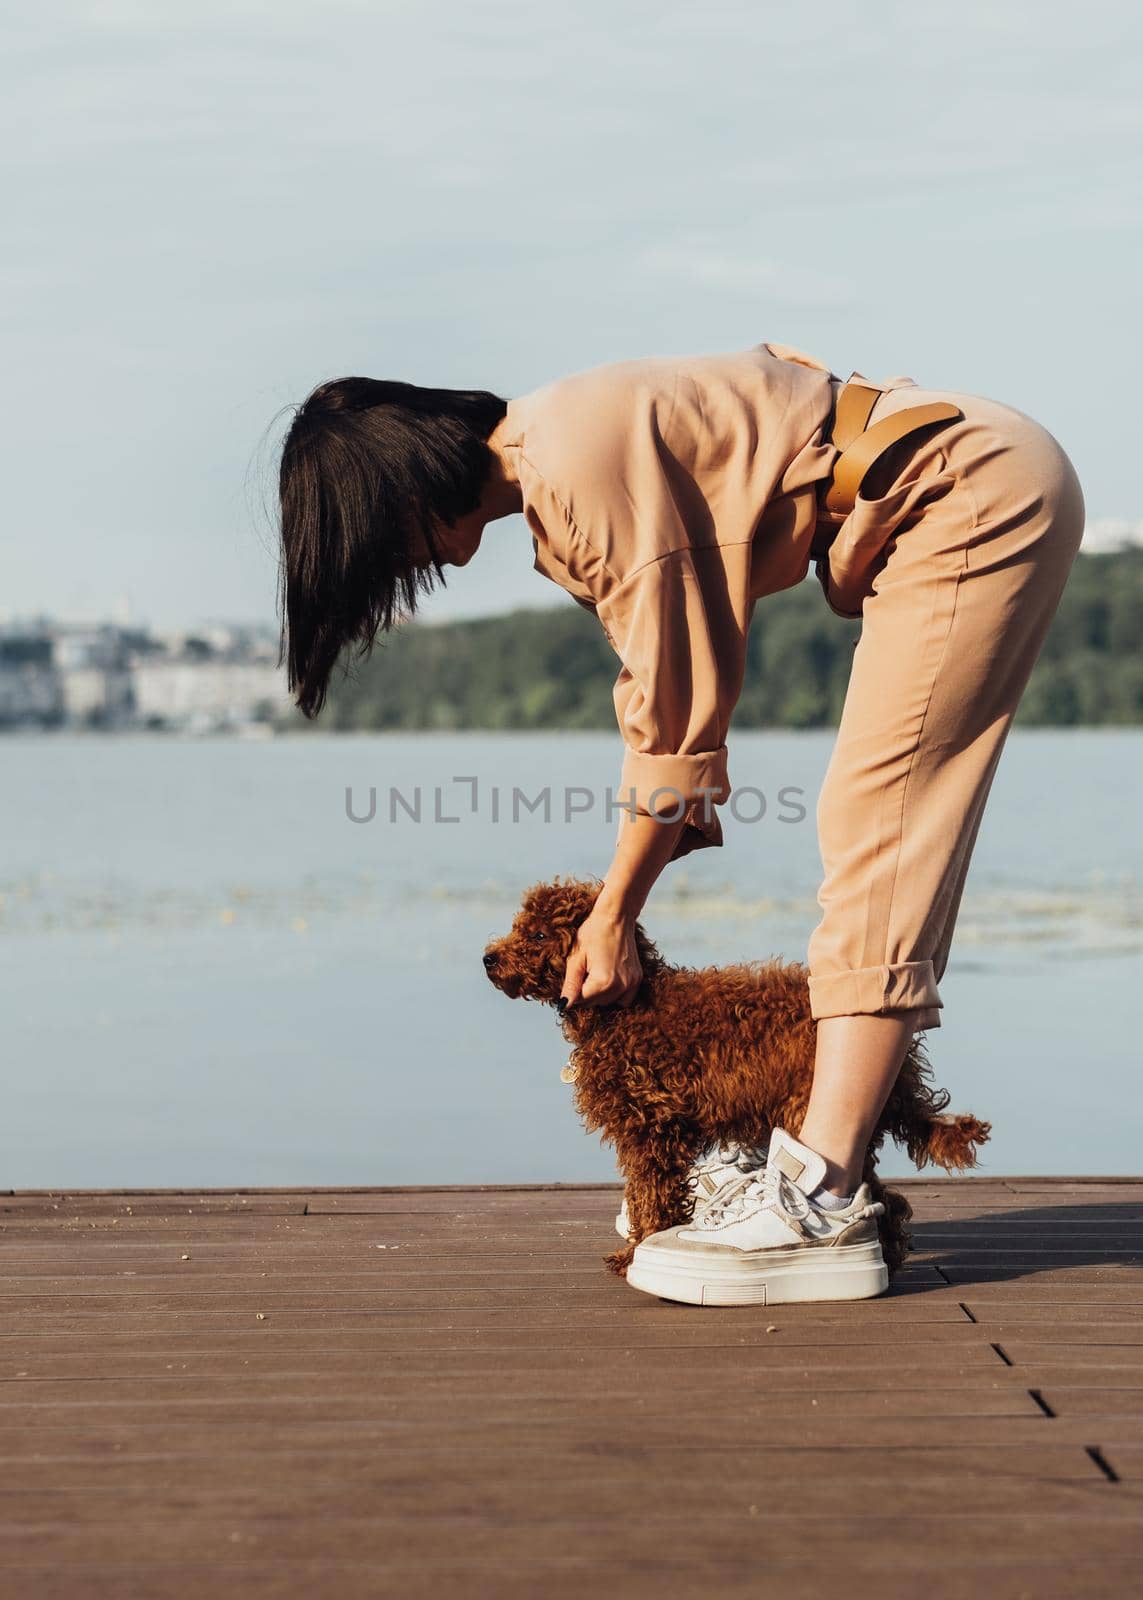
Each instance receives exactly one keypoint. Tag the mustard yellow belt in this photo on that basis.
(861, 446)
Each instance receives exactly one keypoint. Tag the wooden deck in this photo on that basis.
(442, 1393)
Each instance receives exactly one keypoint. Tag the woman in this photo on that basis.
(669, 495)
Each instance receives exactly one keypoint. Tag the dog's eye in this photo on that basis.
(538, 938)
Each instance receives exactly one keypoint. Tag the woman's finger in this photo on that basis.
(574, 974)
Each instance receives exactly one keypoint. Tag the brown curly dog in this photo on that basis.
(701, 1057)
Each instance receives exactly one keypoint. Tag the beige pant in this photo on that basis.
(971, 543)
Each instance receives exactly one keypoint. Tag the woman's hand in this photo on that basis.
(604, 967)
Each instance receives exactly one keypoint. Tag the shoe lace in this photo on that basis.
(746, 1157)
(766, 1189)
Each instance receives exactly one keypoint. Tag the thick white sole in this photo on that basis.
(770, 1278)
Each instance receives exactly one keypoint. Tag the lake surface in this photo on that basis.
(213, 976)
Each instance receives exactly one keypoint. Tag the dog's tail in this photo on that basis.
(948, 1142)
(916, 1117)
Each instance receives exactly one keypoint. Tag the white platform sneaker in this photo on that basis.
(762, 1241)
(724, 1164)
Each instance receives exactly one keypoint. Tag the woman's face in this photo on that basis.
(456, 543)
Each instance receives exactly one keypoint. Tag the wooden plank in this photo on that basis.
(94, 1403)
(1064, 1234)
(417, 1487)
(1088, 1189)
(573, 1575)
(270, 1349)
(305, 1428)
(198, 1323)
(1032, 1290)
(1066, 1333)
(1102, 1519)
(500, 1458)
(469, 1357)
(1035, 1276)
(347, 1311)
(65, 1207)
(1017, 1208)
(718, 1371)
(1120, 1355)
(913, 1316)
(1059, 1365)
(1101, 1397)
(1070, 1181)
(1050, 1317)
(1020, 1259)
(383, 1278)
(487, 1329)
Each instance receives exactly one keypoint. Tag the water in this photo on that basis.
(213, 977)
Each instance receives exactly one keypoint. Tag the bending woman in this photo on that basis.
(669, 496)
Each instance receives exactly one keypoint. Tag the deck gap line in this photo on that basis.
(1039, 1400)
(1102, 1463)
(967, 1311)
(1003, 1354)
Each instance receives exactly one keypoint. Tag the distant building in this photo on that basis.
(94, 667)
(206, 694)
(31, 691)
(220, 676)
(107, 676)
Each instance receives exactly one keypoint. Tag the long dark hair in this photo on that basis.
(365, 466)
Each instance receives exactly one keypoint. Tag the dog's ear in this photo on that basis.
(577, 897)
(562, 904)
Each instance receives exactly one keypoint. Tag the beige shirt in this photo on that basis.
(668, 495)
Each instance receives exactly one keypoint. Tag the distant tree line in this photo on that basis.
(553, 668)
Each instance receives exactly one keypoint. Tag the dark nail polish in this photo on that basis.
(561, 1005)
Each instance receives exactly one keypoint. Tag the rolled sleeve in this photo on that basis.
(671, 786)
(674, 778)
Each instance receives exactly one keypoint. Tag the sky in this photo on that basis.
(211, 207)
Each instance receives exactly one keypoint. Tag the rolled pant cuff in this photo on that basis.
(872, 991)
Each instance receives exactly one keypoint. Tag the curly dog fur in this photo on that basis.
(704, 1056)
